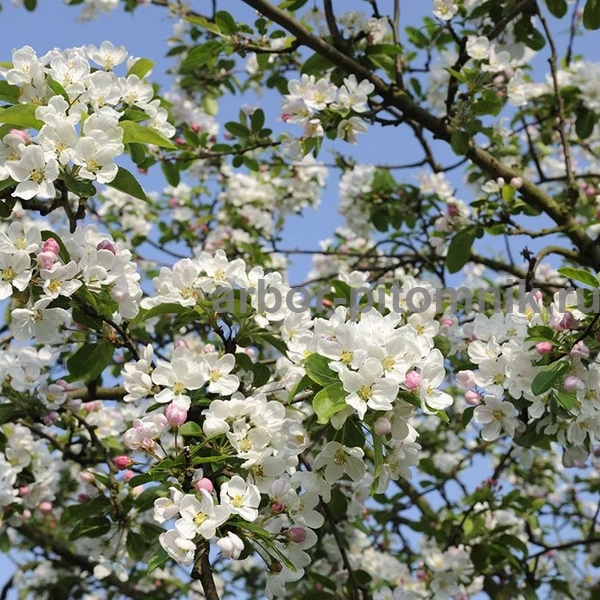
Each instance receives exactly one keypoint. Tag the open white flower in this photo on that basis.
(200, 517)
(339, 460)
(34, 174)
(241, 498)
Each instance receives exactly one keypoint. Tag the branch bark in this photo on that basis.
(202, 572)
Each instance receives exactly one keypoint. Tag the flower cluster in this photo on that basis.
(78, 114)
(317, 105)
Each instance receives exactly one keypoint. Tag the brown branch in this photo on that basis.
(202, 571)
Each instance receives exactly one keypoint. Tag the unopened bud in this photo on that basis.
(176, 415)
(544, 347)
(51, 245)
(122, 462)
(276, 508)
(382, 426)
(296, 534)
(45, 507)
(573, 384)
(413, 380)
(579, 350)
(472, 398)
(107, 245)
(204, 484)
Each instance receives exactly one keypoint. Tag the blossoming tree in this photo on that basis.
(164, 431)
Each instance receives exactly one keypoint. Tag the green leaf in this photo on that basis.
(57, 88)
(91, 527)
(192, 429)
(162, 309)
(580, 275)
(237, 129)
(459, 251)
(136, 545)
(317, 368)
(83, 188)
(136, 133)
(126, 182)
(225, 22)
(171, 172)
(257, 120)
(262, 374)
(90, 360)
(316, 64)
(566, 400)
(204, 23)
(141, 67)
(302, 385)
(8, 412)
(467, 415)
(329, 401)
(21, 115)
(158, 561)
(200, 55)
(557, 7)
(9, 93)
(508, 193)
(585, 122)
(459, 142)
(30, 5)
(547, 376)
(591, 14)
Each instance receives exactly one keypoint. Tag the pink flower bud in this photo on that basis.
(51, 245)
(516, 182)
(176, 415)
(382, 426)
(180, 343)
(87, 477)
(277, 507)
(50, 418)
(82, 498)
(24, 490)
(45, 507)
(447, 322)
(544, 347)
(573, 384)
(195, 127)
(453, 210)
(23, 135)
(579, 350)
(74, 405)
(46, 259)
(465, 379)
(26, 515)
(204, 484)
(568, 321)
(128, 475)
(122, 462)
(472, 398)
(538, 296)
(296, 534)
(413, 380)
(92, 406)
(107, 245)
